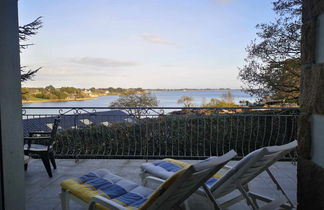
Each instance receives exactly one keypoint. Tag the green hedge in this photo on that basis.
(183, 136)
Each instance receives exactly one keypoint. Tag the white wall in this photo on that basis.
(11, 138)
(318, 139)
(318, 120)
(320, 40)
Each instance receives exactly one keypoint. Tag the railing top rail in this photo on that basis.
(123, 108)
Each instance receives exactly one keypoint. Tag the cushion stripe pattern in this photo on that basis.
(102, 182)
(167, 167)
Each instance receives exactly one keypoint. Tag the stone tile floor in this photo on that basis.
(42, 192)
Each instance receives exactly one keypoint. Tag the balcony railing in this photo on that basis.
(159, 132)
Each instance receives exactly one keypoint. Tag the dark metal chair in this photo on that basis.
(40, 143)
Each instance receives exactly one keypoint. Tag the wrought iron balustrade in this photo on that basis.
(159, 132)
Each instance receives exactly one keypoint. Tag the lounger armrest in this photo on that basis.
(227, 167)
(152, 182)
(105, 202)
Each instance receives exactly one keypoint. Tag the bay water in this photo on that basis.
(165, 98)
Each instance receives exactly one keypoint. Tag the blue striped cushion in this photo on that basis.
(210, 182)
(167, 167)
(118, 189)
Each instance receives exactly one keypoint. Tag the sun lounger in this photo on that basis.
(236, 178)
(101, 189)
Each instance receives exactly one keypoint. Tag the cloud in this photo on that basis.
(102, 62)
(156, 39)
(170, 65)
(222, 1)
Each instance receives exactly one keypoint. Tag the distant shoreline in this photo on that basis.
(90, 98)
(188, 89)
(56, 100)
(65, 100)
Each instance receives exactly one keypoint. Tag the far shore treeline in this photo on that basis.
(50, 93)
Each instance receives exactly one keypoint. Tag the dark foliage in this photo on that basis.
(25, 32)
(27, 74)
(186, 136)
(272, 66)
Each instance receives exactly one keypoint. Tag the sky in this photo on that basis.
(141, 43)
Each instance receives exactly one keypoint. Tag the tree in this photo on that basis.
(136, 100)
(228, 97)
(25, 95)
(272, 66)
(214, 102)
(50, 88)
(186, 101)
(25, 32)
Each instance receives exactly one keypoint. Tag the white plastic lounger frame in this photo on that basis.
(238, 178)
(185, 184)
(247, 169)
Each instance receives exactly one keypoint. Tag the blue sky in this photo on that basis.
(141, 43)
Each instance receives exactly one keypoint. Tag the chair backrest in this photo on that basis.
(181, 185)
(55, 127)
(249, 167)
(53, 132)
